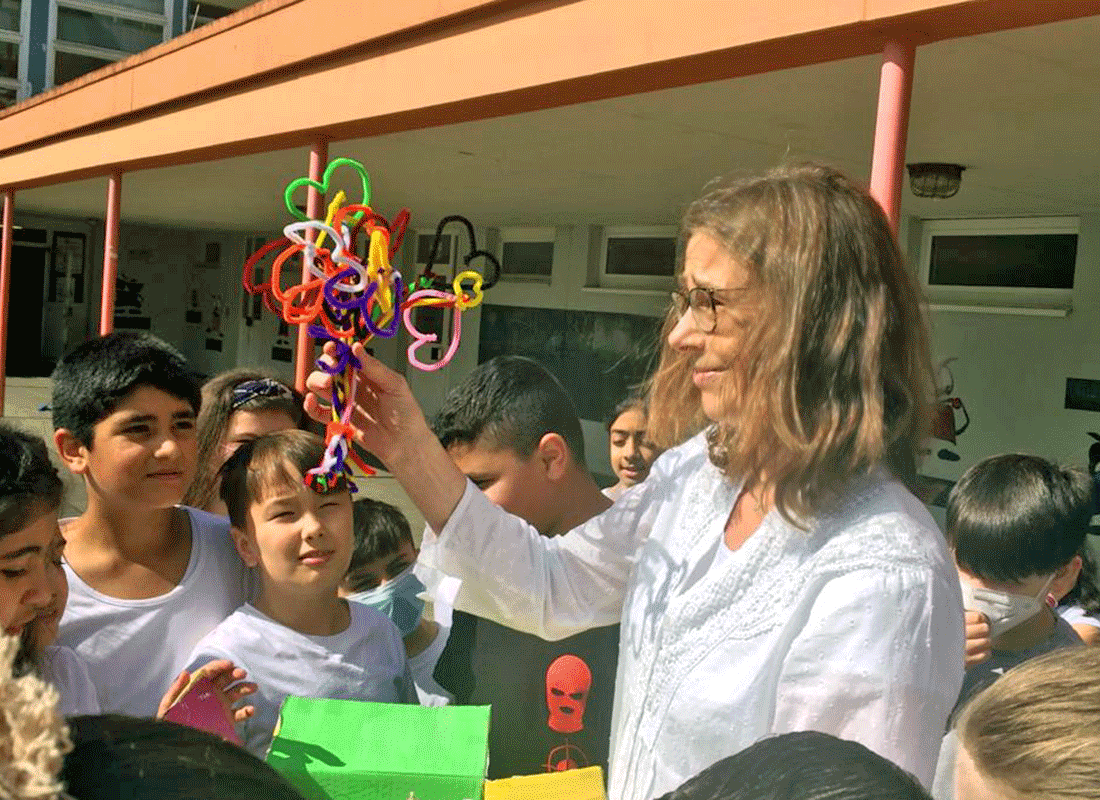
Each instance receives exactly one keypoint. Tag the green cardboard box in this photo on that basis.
(351, 750)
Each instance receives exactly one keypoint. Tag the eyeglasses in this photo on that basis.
(701, 302)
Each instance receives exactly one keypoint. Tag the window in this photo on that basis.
(10, 15)
(89, 34)
(199, 14)
(444, 260)
(1026, 262)
(638, 257)
(526, 254)
(12, 58)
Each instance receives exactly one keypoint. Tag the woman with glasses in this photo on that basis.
(772, 574)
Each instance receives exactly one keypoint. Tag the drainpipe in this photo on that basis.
(5, 289)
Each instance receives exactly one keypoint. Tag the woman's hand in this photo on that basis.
(228, 680)
(979, 642)
(387, 421)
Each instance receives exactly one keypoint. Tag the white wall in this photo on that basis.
(169, 262)
(1011, 370)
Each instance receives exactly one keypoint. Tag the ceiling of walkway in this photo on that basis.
(1019, 109)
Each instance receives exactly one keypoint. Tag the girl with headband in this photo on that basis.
(773, 573)
(238, 405)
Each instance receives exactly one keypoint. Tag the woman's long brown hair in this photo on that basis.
(833, 375)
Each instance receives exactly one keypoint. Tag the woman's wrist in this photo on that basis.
(429, 477)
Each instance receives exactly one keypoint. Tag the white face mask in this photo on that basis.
(1003, 609)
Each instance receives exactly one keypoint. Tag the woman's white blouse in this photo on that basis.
(853, 627)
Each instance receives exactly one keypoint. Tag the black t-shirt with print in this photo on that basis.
(551, 701)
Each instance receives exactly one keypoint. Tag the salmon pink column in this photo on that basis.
(110, 254)
(303, 353)
(892, 127)
(5, 290)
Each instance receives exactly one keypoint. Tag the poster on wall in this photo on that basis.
(67, 270)
(214, 333)
(130, 311)
(280, 351)
(193, 314)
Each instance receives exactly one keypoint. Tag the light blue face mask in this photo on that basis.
(398, 599)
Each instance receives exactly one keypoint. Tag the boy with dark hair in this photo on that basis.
(298, 637)
(148, 578)
(91, 381)
(1015, 524)
(805, 765)
(381, 576)
(514, 432)
(512, 429)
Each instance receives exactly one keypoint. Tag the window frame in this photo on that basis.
(19, 39)
(636, 281)
(448, 261)
(995, 296)
(535, 235)
(101, 8)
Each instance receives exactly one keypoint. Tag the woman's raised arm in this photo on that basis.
(552, 587)
(388, 422)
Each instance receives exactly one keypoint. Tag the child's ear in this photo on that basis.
(246, 548)
(1066, 578)
(554, 456)
(73, 454)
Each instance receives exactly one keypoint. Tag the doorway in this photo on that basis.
(24, 340)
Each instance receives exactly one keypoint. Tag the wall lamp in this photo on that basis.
(938, 181)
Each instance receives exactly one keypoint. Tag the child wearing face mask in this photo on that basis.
(1016, 524)
(380, 575)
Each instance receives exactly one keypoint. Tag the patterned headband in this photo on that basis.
(261, 387)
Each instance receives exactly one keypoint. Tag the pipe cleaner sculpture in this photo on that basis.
(356, 293)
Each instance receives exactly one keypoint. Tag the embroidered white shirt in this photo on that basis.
(853, 627)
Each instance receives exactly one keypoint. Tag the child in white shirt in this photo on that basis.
(147, 577)
(299, 637)
(66, 671)
(34, 590)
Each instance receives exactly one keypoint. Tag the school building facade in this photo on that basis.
(571, 133)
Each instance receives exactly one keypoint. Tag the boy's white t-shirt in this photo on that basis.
(422, 666)
(68, 673)
(365, 662)
(134, 649)
(1075, 615)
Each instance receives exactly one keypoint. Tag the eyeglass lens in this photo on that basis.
(701, 304)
